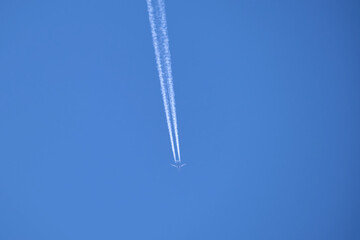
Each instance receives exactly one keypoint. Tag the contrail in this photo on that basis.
(169, 72)
(160, 37)
(159, 67)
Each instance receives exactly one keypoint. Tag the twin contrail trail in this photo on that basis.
(157, 17)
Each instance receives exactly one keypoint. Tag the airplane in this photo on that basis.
(178, 165)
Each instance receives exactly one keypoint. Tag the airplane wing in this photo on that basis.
(178, 166)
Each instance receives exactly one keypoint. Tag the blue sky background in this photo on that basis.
(268, 105)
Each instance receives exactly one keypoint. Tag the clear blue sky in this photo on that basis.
(268, 105)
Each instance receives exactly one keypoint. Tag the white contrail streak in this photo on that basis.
(160, 37)
(159, 67)
(169, 72)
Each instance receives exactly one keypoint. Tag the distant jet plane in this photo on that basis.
(178, 165)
